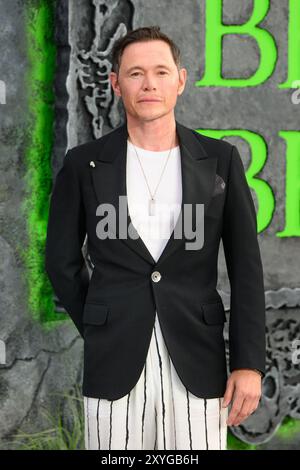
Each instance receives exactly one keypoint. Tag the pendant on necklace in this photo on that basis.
(151, 206)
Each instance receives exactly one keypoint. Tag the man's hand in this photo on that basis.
(244, 386)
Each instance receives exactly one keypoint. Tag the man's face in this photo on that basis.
(148, 71)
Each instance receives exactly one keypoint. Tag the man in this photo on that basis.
(152, 321)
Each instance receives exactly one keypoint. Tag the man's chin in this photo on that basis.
(147, 117)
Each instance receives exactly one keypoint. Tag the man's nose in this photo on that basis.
(149, 82)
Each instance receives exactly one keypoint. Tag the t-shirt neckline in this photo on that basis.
(152, 151)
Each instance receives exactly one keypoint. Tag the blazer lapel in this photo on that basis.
(109, 180)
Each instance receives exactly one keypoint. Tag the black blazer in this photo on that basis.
(114, 311)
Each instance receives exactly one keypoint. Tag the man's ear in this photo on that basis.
(182, 80)
(114, 83)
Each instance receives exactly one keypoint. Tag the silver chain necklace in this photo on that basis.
(151, 204)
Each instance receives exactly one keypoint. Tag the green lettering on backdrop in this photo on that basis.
(215, 30)
(292, 185)
(293, 46)
(258, 150)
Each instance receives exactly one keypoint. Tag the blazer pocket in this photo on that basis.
(219, 186)
(214, 313)
(95, 314)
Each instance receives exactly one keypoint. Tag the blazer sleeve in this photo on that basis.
(247, 323)
(64, 261)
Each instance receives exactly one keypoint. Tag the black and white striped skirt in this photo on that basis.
(158, 413)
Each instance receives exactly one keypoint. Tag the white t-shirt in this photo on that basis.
(154, 230)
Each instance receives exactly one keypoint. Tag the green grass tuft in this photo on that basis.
(62, 433)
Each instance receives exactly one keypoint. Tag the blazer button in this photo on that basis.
(156, 276)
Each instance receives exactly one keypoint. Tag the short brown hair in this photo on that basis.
(146, 33)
